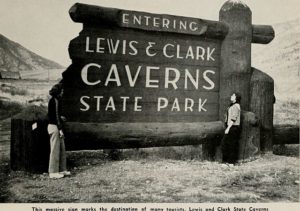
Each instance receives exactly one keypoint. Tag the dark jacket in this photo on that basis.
(54, 113)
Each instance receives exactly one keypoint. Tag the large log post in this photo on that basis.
(235, 65)
(261, 103)
(120, 135)
(249, 144)
(30, 144)
(235, 68)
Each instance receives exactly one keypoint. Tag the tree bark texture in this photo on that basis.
(120, 135)
(235, 67)
(91, 15)
(262, 34)
(249, 144)
(262, 104)
(30, 147)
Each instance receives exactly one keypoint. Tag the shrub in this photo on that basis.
(33, 112)
(291, 103)
(8, 109)
(13, 90)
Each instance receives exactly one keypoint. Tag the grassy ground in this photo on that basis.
(96, 178)
(23, 91)
(286, 112)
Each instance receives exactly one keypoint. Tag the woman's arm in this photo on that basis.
(229, 125)
(232, 117)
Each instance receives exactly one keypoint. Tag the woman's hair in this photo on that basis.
(56, 90)
(238, 97)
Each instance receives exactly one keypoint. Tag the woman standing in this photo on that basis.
(57, 160)
(230, 141)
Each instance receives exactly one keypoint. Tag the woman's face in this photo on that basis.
(233, 98)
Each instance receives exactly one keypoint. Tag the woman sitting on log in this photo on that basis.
(230, 141)
(57, 161)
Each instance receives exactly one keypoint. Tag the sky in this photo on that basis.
(44, 26)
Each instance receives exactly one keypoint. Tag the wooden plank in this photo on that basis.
(84, 13)
(138, 135)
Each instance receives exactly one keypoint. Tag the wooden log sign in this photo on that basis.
(141, 67)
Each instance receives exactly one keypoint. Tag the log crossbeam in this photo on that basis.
(139, 135)
(90, 14)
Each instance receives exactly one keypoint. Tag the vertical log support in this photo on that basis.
(235, 74)
(261, 103)
(249, 144)
(30, 146)
(235, 64)
(235, 68)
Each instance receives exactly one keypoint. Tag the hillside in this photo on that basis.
(280, 59)
(14, 57)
